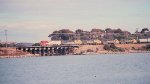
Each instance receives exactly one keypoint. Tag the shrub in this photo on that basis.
(121, 49)
(147, 47)
(133, 48)
(89, 50)
(106, 47)
(113, 48)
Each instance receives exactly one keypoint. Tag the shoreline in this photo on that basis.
(82, 50)
(92, 53)
(89, 53)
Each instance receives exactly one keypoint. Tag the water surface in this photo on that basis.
(87, 69)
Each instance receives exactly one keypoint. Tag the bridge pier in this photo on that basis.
(29, 50)
(42, 52)
(24, 49)
(48, 51)
(55, 51)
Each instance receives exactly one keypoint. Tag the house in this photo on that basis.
(55, 42)
(110, 42)
(84, 42)
(44, 43)
(78, 42)
(133, 41)
(67, 42)
(116, 41)
(89, 42)
(97, 42)
(144, 40)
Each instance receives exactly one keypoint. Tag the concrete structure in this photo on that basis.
(116, 41)
(44, 43)
(78, 42)
(133, 41)
(144, 40)
(68, 42)
(89, 42)
(97, 42)
(57, 42)
(49, 50)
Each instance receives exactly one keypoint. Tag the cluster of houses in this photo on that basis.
(93, 37)
(92, 42)
(97, 37)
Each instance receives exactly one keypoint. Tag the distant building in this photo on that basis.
(67, 42)
(97, 42)
(78, 42)
(44, 43)
(144, 40)
(89, 42)
(110, 42)
(133, 41)
(24, 44)
(116, 41)
(55, 42)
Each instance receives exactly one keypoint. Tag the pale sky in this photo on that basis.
(34, 20)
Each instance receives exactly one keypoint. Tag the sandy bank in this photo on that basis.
(13, 53)
(98, 49)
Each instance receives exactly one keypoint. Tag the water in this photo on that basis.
(92, 69)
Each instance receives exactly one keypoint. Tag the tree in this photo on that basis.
(106, 47)
(97, 30)
(65, 31)
(144, 30)
(65, 37)
(79, 31)
(63, 34)
(36, 44)
(109, 30)
(118, 31)
(119, 37)
(56, 32)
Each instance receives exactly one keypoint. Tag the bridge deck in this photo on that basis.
(49, 50)
(49, 46)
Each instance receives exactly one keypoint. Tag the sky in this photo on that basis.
(34, 20)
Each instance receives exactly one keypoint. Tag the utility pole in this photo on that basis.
(6, 37)
(137, 38)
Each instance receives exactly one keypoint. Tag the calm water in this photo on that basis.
(92, 69)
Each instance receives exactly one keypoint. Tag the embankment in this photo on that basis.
(13, 53)
(131, 46)
(98, 49)
(83, 49)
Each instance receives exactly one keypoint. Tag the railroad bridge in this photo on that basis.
(49, 50)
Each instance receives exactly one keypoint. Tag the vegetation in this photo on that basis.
(107, 47)
(79, 31)
(147, 47)
(8, 45)
(36, 44)
(118, 31)
(144, 30)
(89, 50)
(97, 30)
(107, 34)
(112, 47)
(108, 30)
(63, 31)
